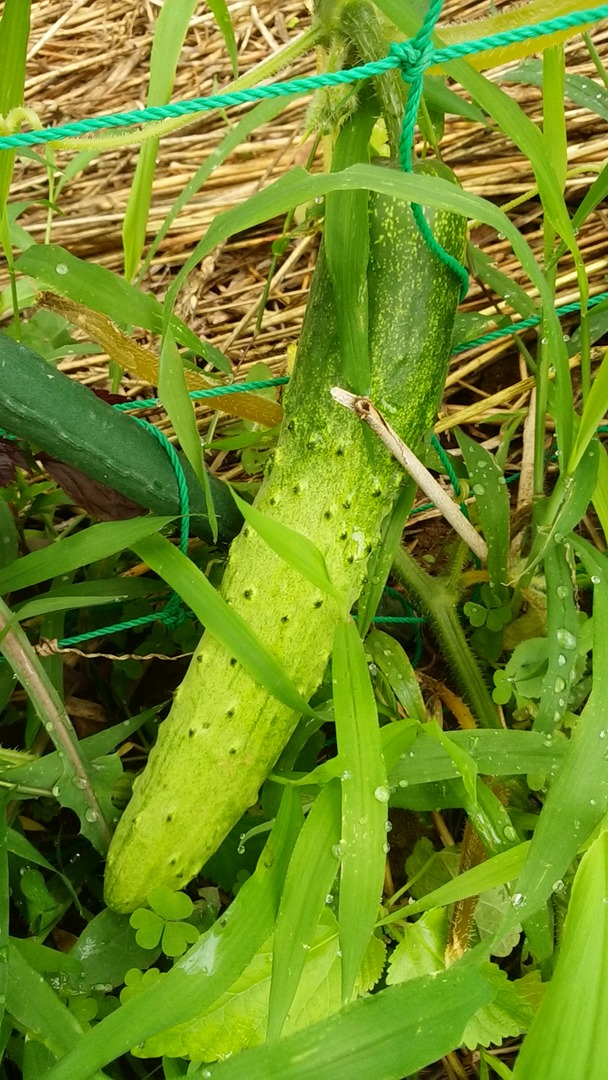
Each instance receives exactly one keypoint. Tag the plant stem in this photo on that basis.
(438, 602)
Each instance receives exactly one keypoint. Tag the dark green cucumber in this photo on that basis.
(225, 731)
(62, 417)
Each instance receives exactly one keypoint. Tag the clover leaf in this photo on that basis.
(161, 922)
(137, 981)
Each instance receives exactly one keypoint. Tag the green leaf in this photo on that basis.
(176, 938)
(169, 32)
(208, 969)
(383, 1037)
(238, 1019)
(568, 1039)
(14, 34)
(106, 950)
(99, 289)
(37, 1009)
(173, 393)
(221, 621)
(492, 501)
(346, 241)
(394, 663)
(365, 798)
(496, 753)
(508, 1015)
(495, 871)
(224, 22)
(169, 904)
(149, 927)
(578, 796)
(9, 537)
(308, 883)
(422, 949)
(291, 546)
(88, 546)
(581, 89)
(460, 758)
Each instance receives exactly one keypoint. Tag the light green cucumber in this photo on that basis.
(225, 731)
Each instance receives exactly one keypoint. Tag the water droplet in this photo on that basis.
(386, 848)
(55, 791)
(388, 826)
(479, 489)
(329, 898)
(338, 850)
(90, 814)
(509, 833)
(240, 849)
(559, 685)
(305, 947)
(382, 794)
(595, 579)
(558, 885)
(565, 638)
(562, 592)
(61, 269)
(404, 783)
(518, 899)
(566, 337)
(561, 660)
(545, 341)
(593, 802)
(347, 775)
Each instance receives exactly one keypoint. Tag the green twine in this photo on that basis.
(398, 57)
(412, 57)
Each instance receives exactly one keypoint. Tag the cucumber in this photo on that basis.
(225, 731)
(62, 417)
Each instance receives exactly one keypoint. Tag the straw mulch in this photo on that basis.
(91, 56)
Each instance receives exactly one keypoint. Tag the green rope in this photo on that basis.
(524, 324)
(419, 60)
(414, 57)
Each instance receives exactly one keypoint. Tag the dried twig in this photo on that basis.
(363, 408)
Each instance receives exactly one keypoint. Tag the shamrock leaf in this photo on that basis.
(162, 921)
(149, 927)
(137, 981)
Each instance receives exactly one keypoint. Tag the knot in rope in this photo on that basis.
(414, 58)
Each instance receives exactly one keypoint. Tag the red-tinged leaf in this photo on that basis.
(11, 458)
(98, 500)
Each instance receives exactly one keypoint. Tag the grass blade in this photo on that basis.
(82, 549)
(568, 1039)
(384, 1037)
(180, 410)
(311, 874)
(492, 500)
(14, 34)
(220, 620)
(578, 797)
(394, 663)
(224, 22)
(365, 798)
(169, 33)
(291, 546)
